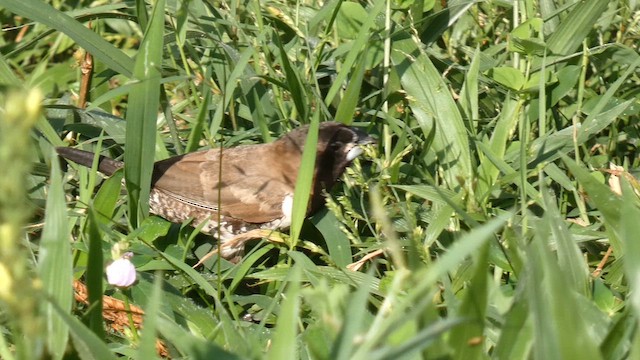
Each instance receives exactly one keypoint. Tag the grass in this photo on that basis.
(495, 218)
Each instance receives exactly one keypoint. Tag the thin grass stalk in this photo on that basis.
(542, 112)
(386, 68)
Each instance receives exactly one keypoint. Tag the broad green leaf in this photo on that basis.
(526, 38)
(337, 242)
(567, 79)
(350, 19)
(616, 345)
(538, 79)
(508, 76)
(528, 29)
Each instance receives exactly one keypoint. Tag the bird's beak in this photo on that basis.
(363, 139)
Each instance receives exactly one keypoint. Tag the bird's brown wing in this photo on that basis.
(250, 189)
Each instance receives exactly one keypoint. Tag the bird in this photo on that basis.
(247, 187)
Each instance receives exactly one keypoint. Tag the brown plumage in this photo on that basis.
(256, 185)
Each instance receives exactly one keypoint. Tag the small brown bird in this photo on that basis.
(255, 187)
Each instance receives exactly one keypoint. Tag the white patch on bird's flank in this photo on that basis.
(354, 152)
(287, 210)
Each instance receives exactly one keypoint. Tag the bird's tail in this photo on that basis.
(106, 165)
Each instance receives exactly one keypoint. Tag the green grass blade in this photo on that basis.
(630, 228)
(102, 50)
(104, 203)
(294, 83)
(466, 245)
(488, 171)
(144, 103)
(606, 202)
(304, 180)
(421, 341)
(576, 26)
(570, 257)
(87, 344)
(337, 242)
(147, 349)
(285, 339)
(510, 175)
(196, 132)
(7, 77)
(473, 309)
(355, 320)
(469, 92)
(516, 338)
(348, 103)
(434, 108)
(359, 44)
(193, 346)
(239, 65)
(192, 274)
(560, 326)
(600, 118)
(55, 264)
(94, 275)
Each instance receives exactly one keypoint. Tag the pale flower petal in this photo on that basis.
(121, 272)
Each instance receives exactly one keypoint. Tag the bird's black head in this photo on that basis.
(338, 146)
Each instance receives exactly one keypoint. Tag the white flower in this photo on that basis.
(122, 273)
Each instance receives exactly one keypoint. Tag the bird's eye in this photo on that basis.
(336, 145)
